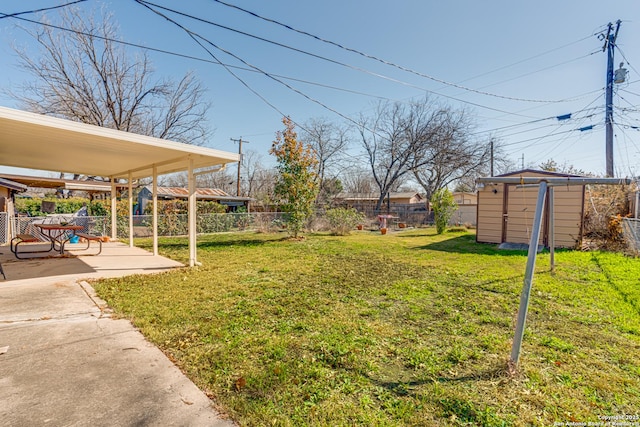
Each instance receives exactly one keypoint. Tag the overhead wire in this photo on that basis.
(554, 117)
(553, 133)
(275, 75)
(383, 61)
(196, 36)
(191, 57)
(626, 60)
(625, 146)
(355, 68)
(44, 9)
(526, 59)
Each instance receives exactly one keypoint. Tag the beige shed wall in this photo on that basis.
(521, 203)
(489, 224)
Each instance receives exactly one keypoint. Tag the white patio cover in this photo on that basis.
(35, 141)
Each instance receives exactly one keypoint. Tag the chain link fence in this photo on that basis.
(4, 228)
(168, 225)
(631, 232)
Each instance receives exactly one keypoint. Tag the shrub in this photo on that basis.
(443, 206)
(605, 206)
(342, 220)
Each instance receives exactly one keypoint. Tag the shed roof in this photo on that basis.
(538, 172)
(35, 141)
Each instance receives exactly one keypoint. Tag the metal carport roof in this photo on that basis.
(35, 141)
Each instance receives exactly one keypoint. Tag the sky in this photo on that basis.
(514, 66)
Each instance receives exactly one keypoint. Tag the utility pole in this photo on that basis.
(491, 142)
(609, 46)
(239, 141)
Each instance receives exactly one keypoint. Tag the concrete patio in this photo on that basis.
(65, 362)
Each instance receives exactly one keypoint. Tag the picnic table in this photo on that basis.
(58, 234)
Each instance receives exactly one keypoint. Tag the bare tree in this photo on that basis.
(357, 179)
(329, 141)
(86, 76)
(396, 141)
(222, 180)
(449, 153)
(250, 168)
(263, 190)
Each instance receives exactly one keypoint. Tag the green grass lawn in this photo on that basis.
(410, 328)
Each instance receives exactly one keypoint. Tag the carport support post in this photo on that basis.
(192, 215)
(114, 207)
(130, 209)
(154, 191)
(528, 276)
(552, 236)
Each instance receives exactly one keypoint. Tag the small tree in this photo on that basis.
(343, 220)
(296, 183)
(443, 208)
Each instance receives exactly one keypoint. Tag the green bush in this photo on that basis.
(443, 206)
(33, 206)
(342, 220)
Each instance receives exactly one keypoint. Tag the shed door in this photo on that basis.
(519, 214)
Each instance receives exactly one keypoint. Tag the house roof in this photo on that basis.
(67, 184)
(201, 193)
(35, 141)
(376, 196)
(12, 185)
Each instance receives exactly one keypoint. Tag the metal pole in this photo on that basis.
(130, 210)
(114, 207)
(154, 196)
(239, 164)
(552, 235)
(611, 43)
(239, 141)
(528, 276)
(192, 215)
(491, 142)
(609, 109)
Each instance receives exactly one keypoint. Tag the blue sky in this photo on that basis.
(534, 51)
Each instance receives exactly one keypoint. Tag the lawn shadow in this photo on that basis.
(244, 241)
(467, 245)
(405, 388)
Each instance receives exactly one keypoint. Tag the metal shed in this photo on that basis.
(506, 211)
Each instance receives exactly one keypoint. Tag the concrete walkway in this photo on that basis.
(65, 362)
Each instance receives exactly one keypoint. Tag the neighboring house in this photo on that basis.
(467, 211)
(168, 193)
(506, 211)
(464, 198)
(8, 189)
(368, 201)
(40, 186)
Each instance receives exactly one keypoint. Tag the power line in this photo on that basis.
(382, 76)
(375, 58)
(257, 70)
(533, 121)
(526, 60)
(191, 57)
(44, 9)
(196, 36)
